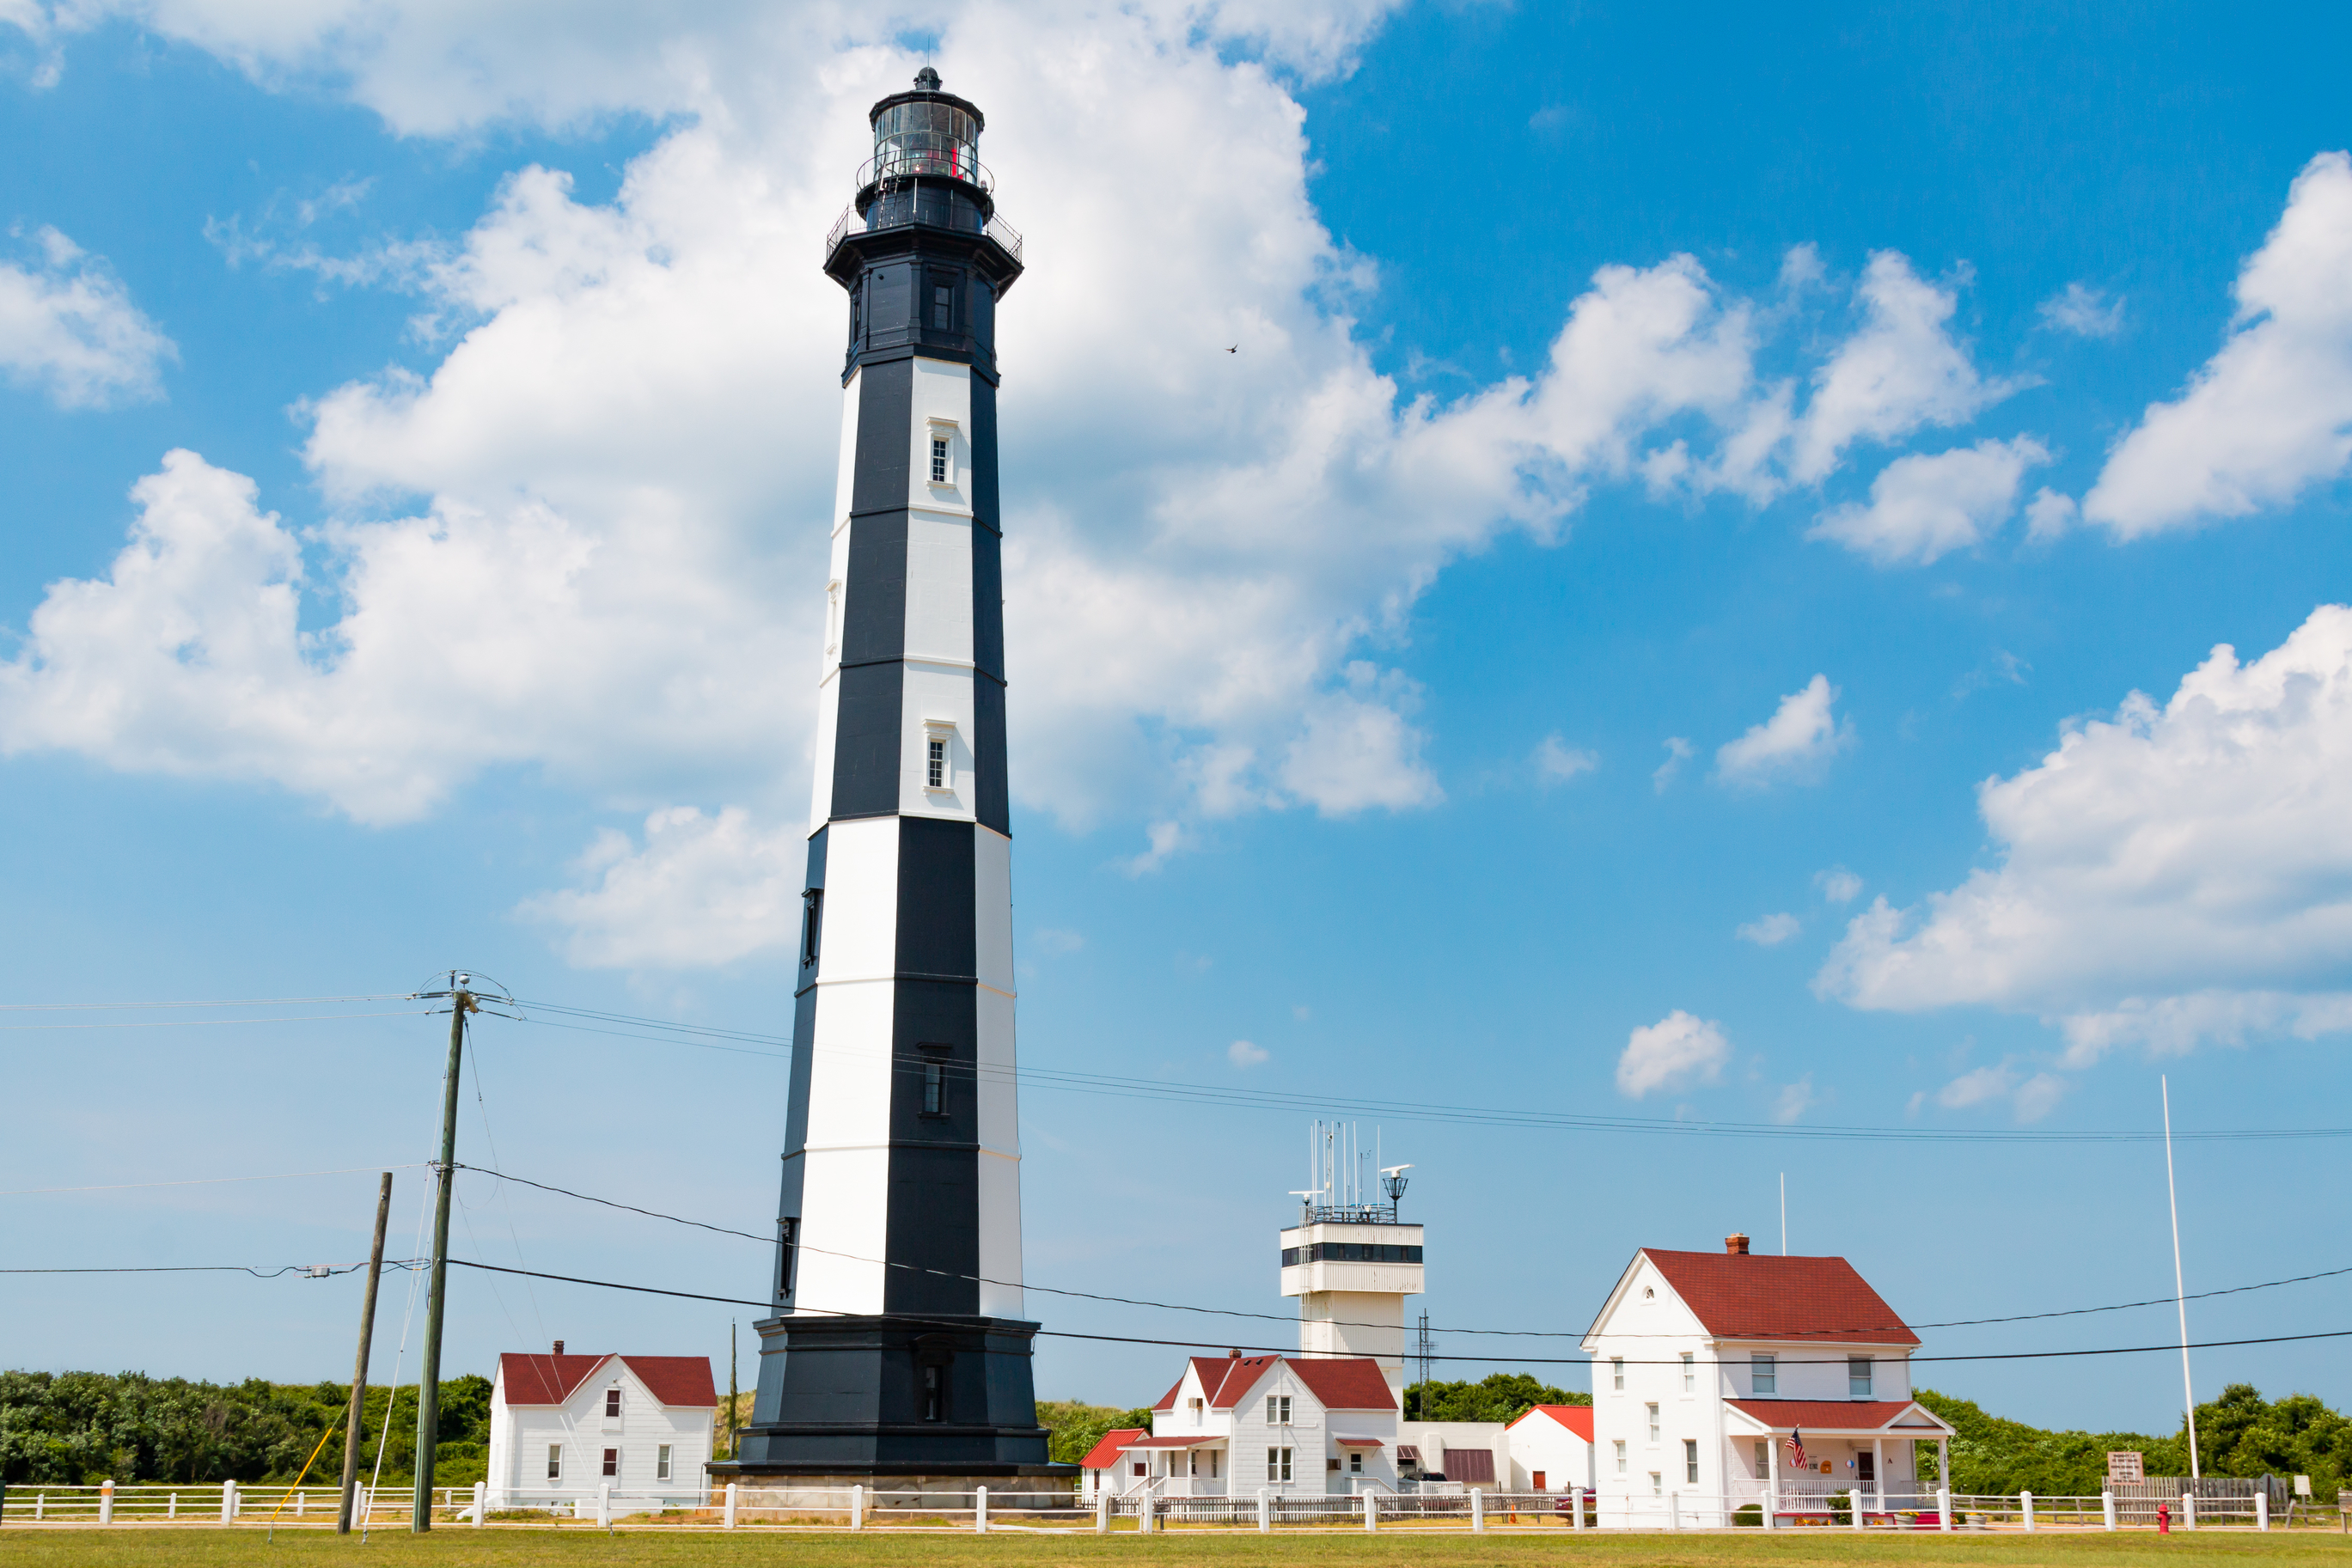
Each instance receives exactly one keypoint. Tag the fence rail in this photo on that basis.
(2232, 1505)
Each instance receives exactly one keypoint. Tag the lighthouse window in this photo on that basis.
(935, 1394)
(811, 918)
(942, 307)
(937, 763)
(939, 460)
(932, 1088)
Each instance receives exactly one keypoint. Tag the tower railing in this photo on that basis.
(1347, 1213)
(901, 208)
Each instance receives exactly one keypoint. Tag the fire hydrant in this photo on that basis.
(2163, 1518)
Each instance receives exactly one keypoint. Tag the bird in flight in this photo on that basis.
(1235, 349)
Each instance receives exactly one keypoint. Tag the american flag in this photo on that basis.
(1795, 1448)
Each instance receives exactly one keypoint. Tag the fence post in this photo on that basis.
(481, 1503)
(1675, 1509)
(1371, 1510)
(604, 1504)
(1942, 1508)
(1771, 1504)
(1854, 1498)
(1102, 1504)
(1264, 1512)
(2262, 1506)
(228, 1502)
(2189, 1510)
(857, 1508)
(1477, 1511)
(980, 1510)
(2026, 1500)
(2107, 1506)
(106, 1503)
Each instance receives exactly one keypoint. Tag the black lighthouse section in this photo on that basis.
(927, 1394)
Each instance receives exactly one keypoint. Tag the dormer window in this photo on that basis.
(612, 1402)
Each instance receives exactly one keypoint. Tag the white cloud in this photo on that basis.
(1057, 943)
(2085, 311)
(1901, 371)
(702, 892)
(1796, 743)
(1770, 930)
(1678, 751)
(2271, 412)
(69, 329)
(2038, 1096)
(1838, 884)
(1927, 505)
(2048, 515)
(1242, 1053)
(1558, 762)
(1794, 1100)
(1676, 1051)
(2166, 875)
(1163, 838)
(2031, 1097)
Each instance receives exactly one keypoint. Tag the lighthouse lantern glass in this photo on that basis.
(926, 138)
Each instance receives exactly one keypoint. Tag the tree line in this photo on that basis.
(81, 1428)
(2240, 1434)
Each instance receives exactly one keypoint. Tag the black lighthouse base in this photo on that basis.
(894, 1402)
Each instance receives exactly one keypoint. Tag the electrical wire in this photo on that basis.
(921, 1319)
(210, 1181)
(236, 1002)
(1277, 1317)
(307, 1270)
(209, 1023)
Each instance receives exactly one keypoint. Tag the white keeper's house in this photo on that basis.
(562, 1426)
(1295, 1425)
(1705, 1363)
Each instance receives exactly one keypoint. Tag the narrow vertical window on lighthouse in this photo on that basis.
(937, 765)
(934, 1087)
(939, 460)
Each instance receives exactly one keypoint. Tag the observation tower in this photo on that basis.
(1350, 1260)
(899, 1355)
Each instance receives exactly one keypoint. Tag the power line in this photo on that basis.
(308, 1271)
(215, 1023)
(237, 1002)
(1277, 1317)
(210, 1181)
(1512, 1360)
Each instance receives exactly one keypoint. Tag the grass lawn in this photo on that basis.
(658, 1549)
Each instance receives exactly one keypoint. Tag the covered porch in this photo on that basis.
(1864, 1449)
(1195, 1466)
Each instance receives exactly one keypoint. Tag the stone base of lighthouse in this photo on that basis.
(930, 1404)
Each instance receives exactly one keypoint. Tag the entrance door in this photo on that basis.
(1540, 1481)
(1865, 1471)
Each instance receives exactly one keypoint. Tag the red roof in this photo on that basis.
(682, 1380)
(1105, 1453)
(1194, 1442)
(1760, 1296)
(1836, 1415)
(1577, 1419)
(1349, 1383)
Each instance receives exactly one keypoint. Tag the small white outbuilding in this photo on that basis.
(561, 1426)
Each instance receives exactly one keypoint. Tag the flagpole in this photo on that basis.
(2179, 1296)
(1784, 1214)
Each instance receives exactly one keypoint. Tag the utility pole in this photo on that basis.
(428, 1385)
(2180, 1297)
(353, 1422)
(733, 1427)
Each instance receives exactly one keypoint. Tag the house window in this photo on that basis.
(612, 1402)
(939, 460)
(1690, 1460)
(612, 1461)
(1857, 1376)
(1277, 1464)
(1355, 1461)
(1278, 1409)
(935, 1394)
(932, 1089)
(1690, 1372)
(1138, 1466)
(1763, 1459)
(1654, 1421)
(555, 1461)
(1763, 1377)
(1617, 1372)
(1621, 1456)
(1658, 1487)
(935, 763)
(1332, 1465)
(1195, 1407)
(661, 1463)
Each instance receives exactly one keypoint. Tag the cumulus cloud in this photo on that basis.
(1677, 1050)
(1770, 930)
(2166, 875)
(68, 329)
(2270, 413)
(1242, 1053)
(1794, 1100)
(700, 893)
(2031, 1097)
(2048, 515)
(1928, 505)
(1838, 884)
(1057, 943)
(1678, 751)
(1795, 743)
(2085, 311)
(1556, 762)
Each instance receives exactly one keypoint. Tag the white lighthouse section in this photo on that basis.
(938, 705)
(846, 1178)
(1000, 1116)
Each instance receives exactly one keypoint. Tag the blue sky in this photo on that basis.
(1648, 623)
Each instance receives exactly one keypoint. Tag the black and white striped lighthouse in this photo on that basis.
(898, 1346)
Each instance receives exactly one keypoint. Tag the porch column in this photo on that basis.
(1878, 1471)
(1943, 1483)
(1772, 1478)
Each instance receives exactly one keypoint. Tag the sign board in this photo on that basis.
(2303, 1485)
(2125, 1467)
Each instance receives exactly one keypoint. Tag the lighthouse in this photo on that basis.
(898, 1352)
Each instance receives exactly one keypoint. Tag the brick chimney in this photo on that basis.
(559, 1343)
(1232, 1355)
(1736, 1244)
